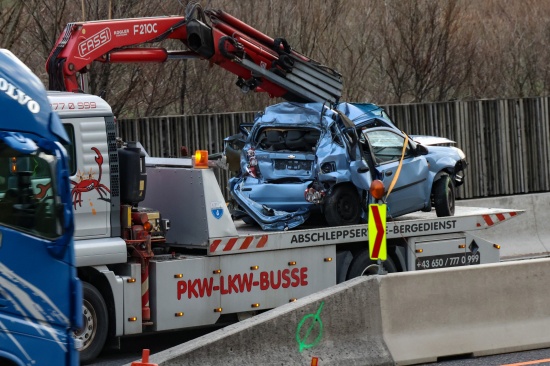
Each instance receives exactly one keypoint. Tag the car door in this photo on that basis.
(410, 192)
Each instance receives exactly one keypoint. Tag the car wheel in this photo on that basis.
(342, 207)
(444, 196)
(94, 327)
(362, 265)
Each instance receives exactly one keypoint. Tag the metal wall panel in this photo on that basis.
(506, 141)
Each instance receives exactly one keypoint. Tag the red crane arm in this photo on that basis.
(260, 62)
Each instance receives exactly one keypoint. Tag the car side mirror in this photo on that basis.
(421, 150)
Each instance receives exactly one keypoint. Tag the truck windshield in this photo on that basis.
(28, 194)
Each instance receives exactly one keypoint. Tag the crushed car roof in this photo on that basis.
(288, 113)
(366, 114)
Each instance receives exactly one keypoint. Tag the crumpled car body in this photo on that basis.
(299, 159)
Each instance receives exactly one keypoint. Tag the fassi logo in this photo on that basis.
(94, 42)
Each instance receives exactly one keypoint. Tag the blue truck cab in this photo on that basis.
(40, 294)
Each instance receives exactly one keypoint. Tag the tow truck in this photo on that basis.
(155, 244)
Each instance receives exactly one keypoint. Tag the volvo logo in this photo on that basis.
(19, 96)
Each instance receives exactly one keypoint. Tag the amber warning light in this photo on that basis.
(377, 189)
(201, 159)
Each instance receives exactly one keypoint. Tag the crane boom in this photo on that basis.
(261, 63)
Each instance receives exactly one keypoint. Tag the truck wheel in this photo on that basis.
(94, 327)
(444, 196)
(343, 207)
(362, 265)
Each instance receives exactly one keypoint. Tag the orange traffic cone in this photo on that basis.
(144, 360)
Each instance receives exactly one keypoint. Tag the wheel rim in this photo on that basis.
(89, 325)
(346, 208)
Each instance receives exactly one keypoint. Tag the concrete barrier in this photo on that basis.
(402, 319)
(340, 325)
(525, 236)
(480, 310)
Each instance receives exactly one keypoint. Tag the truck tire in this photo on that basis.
(343, 207)
(362, 265)
(444, 196)
(95, 323)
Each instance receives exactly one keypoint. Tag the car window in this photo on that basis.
(386, 146)
(388, 120)
(375, 122)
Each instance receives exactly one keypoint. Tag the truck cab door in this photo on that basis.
(38, 285)
(410, 190)
(90, 175)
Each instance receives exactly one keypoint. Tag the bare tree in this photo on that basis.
(387, 52)
(11, 14)
(512, 38)
(426, 52)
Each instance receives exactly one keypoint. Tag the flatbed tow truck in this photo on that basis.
(157, 249)
(155, 245)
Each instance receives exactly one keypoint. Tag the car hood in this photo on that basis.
(432, 140)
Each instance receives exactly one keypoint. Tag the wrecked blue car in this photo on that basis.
(298, 159)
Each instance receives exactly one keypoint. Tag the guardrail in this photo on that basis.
(506, 141)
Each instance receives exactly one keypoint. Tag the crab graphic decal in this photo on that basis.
(88, 183)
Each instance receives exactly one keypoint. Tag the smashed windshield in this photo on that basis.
(27, 192)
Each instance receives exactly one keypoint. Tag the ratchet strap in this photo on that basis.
(398, 171)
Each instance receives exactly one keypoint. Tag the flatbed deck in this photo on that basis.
(252, 238)
(460, 212)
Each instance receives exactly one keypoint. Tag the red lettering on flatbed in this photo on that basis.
(239, 283)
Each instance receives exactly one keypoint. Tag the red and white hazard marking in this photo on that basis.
(241, 243)
(490, 220)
